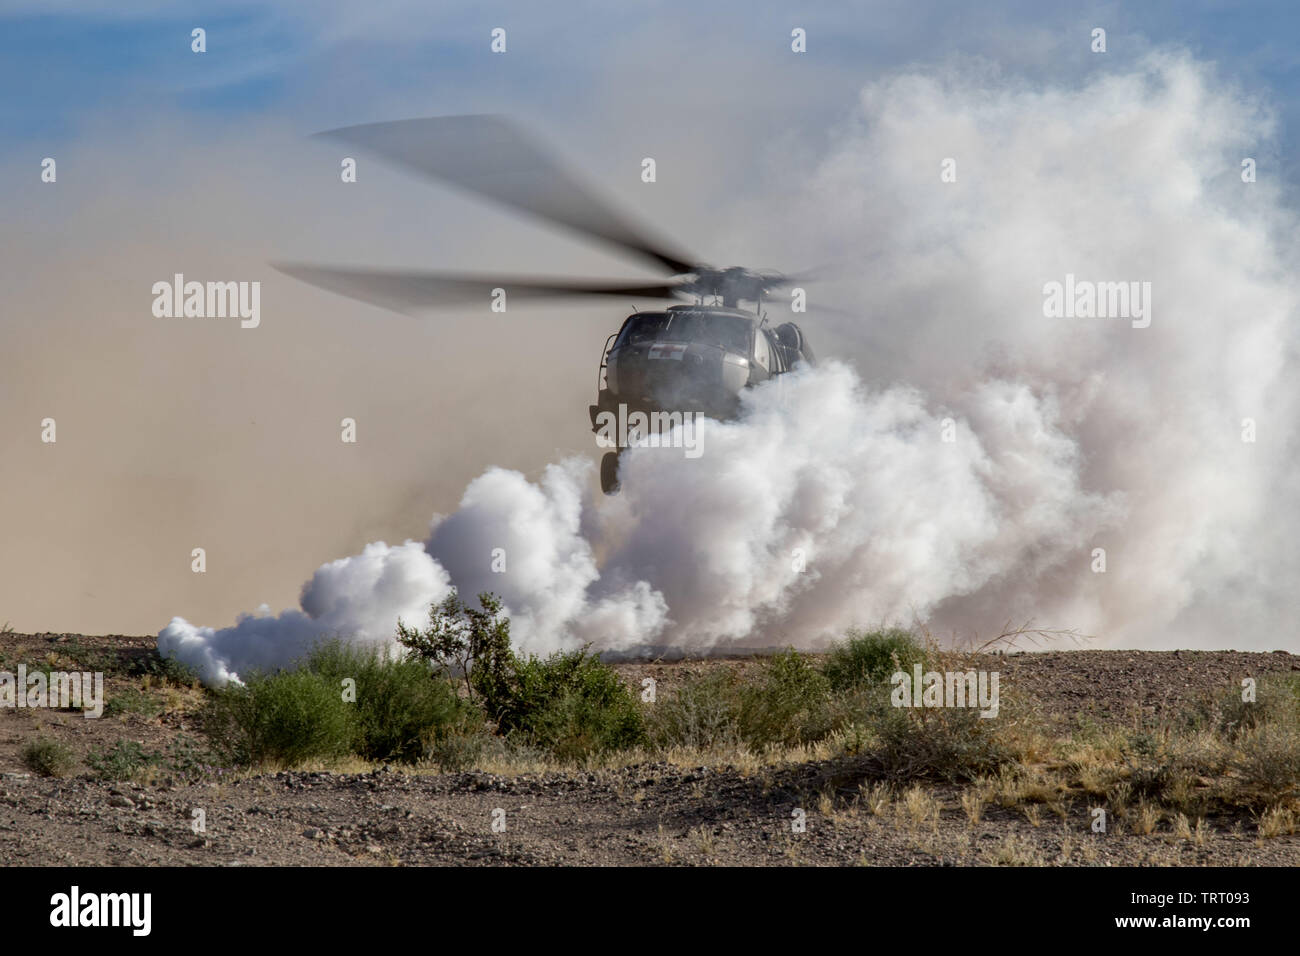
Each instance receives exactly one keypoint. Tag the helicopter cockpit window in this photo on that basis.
(731, 332)
(644, 328)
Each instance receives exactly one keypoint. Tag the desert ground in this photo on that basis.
(820, 807)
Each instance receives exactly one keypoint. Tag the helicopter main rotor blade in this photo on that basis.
(491, 156)
(835, 310)
(408, 291)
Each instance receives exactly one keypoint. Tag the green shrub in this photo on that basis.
(48, 757)
(869, 658)
(283, 718)
(132, 700)
(187, 758)
(402, 709)
(125, 760)
(787, 704)
(1267, 761)
(1277, 701)
(702, 714)
(473, 645)
(1266, 738)
(948, 743)
(458, 749)
(570, 704)
(163, 669)
(102, 659)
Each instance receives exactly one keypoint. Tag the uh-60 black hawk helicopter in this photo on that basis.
(686, 358)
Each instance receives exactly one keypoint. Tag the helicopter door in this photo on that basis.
(762, 357)
(779, 363)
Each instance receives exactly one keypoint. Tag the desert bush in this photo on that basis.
(868, 658)
(473, 645)
(184, 757)
(283, 718)
(458, 749)
(1277, 701)
(165, 670)
(402, 710)
(188, 758)
(788, 703)
(1278, 821)
(125, 760)
(570, 704)
(132, 700)
(48, 757)
(948, 743)
(103, 659)
(1267, 761)
(702, 714)
(1254, 746)
(1151, 763)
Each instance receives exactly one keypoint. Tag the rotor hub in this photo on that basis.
(732, 284)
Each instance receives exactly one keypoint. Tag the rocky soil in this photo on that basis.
(650, 814)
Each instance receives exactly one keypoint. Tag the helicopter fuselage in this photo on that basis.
(689, 359)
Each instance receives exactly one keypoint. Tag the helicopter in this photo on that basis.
(693, 357)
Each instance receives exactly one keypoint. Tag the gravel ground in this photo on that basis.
(650, 814)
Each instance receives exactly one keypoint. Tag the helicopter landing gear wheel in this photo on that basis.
(609, 473)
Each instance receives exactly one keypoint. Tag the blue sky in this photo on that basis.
(72, 65)
(175, 162)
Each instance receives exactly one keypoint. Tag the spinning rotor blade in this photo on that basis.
(491, 156)
(406, 291)
(835, 310)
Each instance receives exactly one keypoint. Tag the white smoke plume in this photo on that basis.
(358, 598)
(835, 499)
